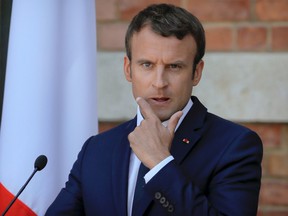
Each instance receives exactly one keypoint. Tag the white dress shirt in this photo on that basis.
(135, 162)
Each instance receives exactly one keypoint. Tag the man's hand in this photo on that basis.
(151, 141)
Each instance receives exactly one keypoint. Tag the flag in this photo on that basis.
(49, 102)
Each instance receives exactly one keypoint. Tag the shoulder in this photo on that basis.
(233, 135)
(117, 131)
(212, 123)
(222, 123)
(226, 126)
(111, 136)
(102, 144)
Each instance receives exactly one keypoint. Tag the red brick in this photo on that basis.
(260, 212)
(274, 192)
(252, 38)
(270, 134)
(280, 38)
(129, 8)
(216, 10)
(284, 138)
(104, 126)
(111, 36)
(272, 10)
(219, 38)
(270, 212)
(265, 163)
(278, 164)
(106, 10)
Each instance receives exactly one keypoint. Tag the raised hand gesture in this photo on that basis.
(151, 140)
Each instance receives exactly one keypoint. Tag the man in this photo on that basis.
(197, 163)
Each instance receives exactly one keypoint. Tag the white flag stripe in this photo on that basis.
(50, 94)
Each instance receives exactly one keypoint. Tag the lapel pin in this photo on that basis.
(186, 141)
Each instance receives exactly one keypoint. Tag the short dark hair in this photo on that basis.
(168, 20)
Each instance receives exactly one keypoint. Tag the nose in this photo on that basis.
(160, 79)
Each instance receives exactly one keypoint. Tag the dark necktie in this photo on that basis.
(139, 185)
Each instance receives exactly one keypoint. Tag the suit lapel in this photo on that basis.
(189, 131)
(120, 170)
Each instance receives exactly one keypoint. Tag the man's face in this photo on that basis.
(161, 69)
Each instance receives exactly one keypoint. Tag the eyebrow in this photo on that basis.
(179, 62)
(140, 61)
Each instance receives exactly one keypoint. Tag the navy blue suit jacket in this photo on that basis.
(217, 173)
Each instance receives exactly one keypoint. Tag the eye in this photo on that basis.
(146, 65)
(175, 66)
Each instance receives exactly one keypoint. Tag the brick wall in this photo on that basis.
(231, 26)
(274, 191)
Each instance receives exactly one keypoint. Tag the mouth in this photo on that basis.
(160, 100)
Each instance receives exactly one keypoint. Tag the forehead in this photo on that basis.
(147, 42)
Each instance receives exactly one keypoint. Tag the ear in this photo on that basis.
(198, 73)
(127, 69)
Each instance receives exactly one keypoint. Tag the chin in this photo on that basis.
(163, 116)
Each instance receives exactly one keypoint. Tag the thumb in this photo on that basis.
(173, 121)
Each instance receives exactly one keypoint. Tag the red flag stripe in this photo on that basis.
(18, 208)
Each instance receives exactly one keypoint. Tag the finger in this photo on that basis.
(145, 108)
(173, 121)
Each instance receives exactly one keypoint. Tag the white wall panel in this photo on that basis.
(236, 86)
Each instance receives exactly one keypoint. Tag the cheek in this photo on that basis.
(138, 86)
(182, 85)
(141, 79)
